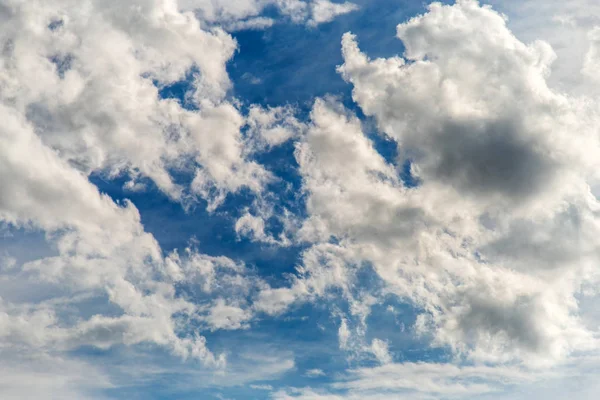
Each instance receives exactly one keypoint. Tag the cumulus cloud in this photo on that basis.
(87, 80)
(485, 246)
(102, 250)
(80, 96)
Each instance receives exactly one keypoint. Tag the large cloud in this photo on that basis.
(105, 281)
(498, 240)
(87, 77)
(80, 95)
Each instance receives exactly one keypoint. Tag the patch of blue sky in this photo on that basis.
(285, 191)
(179, 90)
(293, 64)
(62, 63)
(210, 233)
(308, 333)
(393, 320)
(55, 24)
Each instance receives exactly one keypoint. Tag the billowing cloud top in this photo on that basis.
(444, 218)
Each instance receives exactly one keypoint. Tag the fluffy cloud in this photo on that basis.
(87, 78)
(102, 250)
(80, 95)
(497, 241)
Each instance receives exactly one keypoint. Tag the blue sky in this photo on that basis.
(299, 199)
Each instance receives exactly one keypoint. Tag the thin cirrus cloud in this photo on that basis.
(493, 250)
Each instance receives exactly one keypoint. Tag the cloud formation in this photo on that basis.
(81, 96)
(497, 242)
(493, 244)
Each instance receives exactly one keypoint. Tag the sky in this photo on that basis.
(299, 199)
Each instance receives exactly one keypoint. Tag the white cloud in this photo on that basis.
(270, 127)
(497, 241)
(445, 380)
(79, 97)
(325, 11)
(381, 351)
(313, 373)
(252, 226)
(224, 316)
(304, 394)
(85, 79)
(7, 262)
(438, 379)
(257, 23)
(343, 334)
